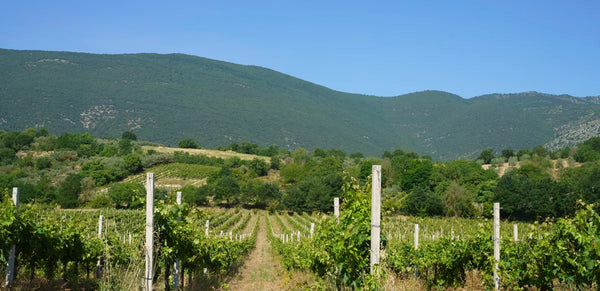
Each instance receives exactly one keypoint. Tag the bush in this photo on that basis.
(99, 201)
(129, 135)
(68, 191)
(195, 196)
(188, 143)
(43, 163)
(127, 195)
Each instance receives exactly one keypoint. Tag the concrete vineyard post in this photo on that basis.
(515, 233)
(10, 268)
(496, 244)
(416, 236)
(336, 208)
(177, 266)
(149, 251)
(206, 227)
(312, 229)
(375, 215)
(99, 264)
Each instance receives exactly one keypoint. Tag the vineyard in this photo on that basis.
(209, 245)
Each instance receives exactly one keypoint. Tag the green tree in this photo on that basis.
(226, 188)
(132, 163)
(539, 151)
(458, 201)
(129, 135)
(127, 195)
(68, 191)
(195, 196)
(188, 143)
(125, 146)
(291, 173)
(268, 193)
(508, 153)
(422, 202)
(319, 153)
(7, 156)
(486, 155)
(259, 167)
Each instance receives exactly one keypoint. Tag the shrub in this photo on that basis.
(188, 143)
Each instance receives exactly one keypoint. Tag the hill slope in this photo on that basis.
(165, 98)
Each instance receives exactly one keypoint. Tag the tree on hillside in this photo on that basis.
(129, 135)
(188, 143)
(507, 153)
(68, 191)
(132, 163)
(486, 155)
(226, 188)
(127, 195)
(539, 151)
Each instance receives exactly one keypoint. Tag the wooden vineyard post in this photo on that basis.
(375, 215)
(177, 266)
(416, 236)
(496, 244)
(336, 208)
(10, 268)
(149, 250)
(515, 233)
(99, 264)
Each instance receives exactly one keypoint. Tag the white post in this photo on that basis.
(99, 264)
(336, 208)
(515, 233)
(149, 232)
(416, 236)
(496, 244)
(10, 268)
(206, 225)
(375, 215)
(312, 229)
(177, 266)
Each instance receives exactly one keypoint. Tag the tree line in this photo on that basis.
(68, 170)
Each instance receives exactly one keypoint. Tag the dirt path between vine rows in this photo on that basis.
(262, 269)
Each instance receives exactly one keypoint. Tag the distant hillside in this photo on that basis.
(166, 98)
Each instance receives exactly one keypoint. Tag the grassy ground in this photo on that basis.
(209, 153)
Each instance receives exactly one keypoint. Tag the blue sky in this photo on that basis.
(383, 48)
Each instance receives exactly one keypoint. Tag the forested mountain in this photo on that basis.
(165, 98)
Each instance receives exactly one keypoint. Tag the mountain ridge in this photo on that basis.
(166, 98)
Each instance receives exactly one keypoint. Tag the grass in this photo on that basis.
(206, 152)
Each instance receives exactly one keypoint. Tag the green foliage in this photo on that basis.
(188, 143)
(422, 201)
(43, 163)
(529, 193)
(588, 150)
(507, 154)
(186, 158)
(259, 167)
(68, 192)
(125, 146)
(132, 163)
(128, 135)
(291, 173)
(486, 155)
(261, 105)
(83, 143)
(127, 195)
(195, 196)
(7, 156)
